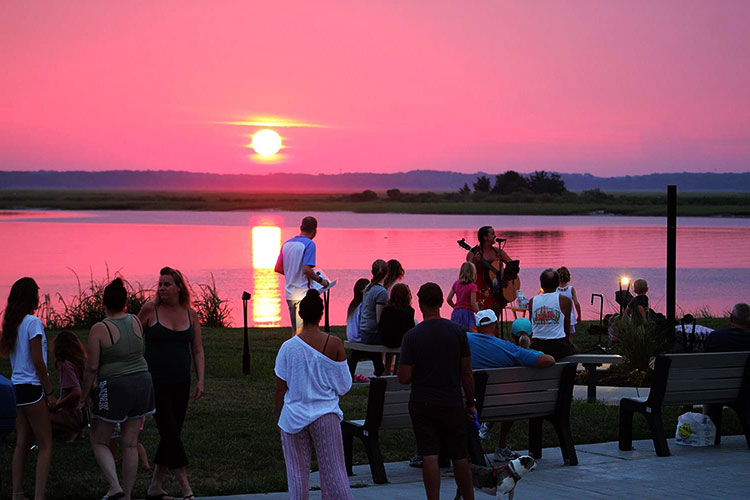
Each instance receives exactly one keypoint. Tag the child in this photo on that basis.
(70, 360)
(465, 291)
(352, 312)
(396, 319)
(639, 303)
(142, 455)
(569, 291)
(521, 330)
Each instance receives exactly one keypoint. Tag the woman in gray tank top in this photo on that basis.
(123, 393)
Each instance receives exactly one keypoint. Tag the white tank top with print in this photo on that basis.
(547, 319)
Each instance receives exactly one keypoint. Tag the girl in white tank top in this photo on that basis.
(569, 291)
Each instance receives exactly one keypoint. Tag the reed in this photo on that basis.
(213, 311)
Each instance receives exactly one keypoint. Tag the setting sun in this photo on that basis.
(266, 142)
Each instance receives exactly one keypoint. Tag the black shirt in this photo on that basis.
(434, 348)
(731, 339)
(394, 323)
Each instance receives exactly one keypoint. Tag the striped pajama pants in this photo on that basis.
(325, 434)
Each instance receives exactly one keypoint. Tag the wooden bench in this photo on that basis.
(715, 379)
(358, 346)
(590, 362)
(387, 408)
(534, 394)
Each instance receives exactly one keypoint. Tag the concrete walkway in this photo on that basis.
(603, 472)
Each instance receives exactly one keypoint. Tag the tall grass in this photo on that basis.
(85, 308)
(212, 310)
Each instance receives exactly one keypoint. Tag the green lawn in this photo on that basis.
(232, 441)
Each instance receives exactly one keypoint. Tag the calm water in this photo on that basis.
(240, 250)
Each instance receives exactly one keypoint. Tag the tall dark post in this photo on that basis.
(326, 301)
(245, 345)
(671, 251)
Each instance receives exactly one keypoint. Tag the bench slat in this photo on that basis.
(707, 373)
(708, 360)
(516, 374)
(358, 346)
(517, 399)
(525, 411)
(516, 387)
(711, 384)
(691, 397)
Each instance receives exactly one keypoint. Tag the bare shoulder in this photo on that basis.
(193, 314)
(147, 309)
(98, 330)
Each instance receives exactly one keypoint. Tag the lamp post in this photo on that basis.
(624, 281)
(245, 346)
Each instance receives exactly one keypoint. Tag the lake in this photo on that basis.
(239, 250)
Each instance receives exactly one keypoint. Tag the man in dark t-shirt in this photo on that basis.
(737, 336)
(436, 361)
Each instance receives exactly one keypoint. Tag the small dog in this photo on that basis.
(500, 480)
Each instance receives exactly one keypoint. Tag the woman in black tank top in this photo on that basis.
(172, 335)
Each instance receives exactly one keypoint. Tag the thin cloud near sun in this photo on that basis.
(273, 121)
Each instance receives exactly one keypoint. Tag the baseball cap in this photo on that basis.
(521, 325)
(486, 317)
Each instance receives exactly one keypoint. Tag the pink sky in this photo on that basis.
(610, 88)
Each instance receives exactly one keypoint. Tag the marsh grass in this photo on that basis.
(570, 203)
(85, 308)
(213, 311)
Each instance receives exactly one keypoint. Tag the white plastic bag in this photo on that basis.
(695, 429)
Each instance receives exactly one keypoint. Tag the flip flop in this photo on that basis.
(159, 496)
(116, 496)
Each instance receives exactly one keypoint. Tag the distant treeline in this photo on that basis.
(415, 180)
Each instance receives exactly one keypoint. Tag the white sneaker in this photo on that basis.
(484, 432)
(505, 454)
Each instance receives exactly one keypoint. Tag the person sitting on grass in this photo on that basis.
(311, 374)
(488, 351)
(70, 361)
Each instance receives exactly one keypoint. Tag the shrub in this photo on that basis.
(637, 343)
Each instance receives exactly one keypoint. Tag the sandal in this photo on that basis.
(116, 496)
(189, 497)
(159, 496)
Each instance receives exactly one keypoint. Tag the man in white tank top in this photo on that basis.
(550, 319)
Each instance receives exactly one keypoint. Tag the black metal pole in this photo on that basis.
(245, 345)
(671, 251)
(326, 300)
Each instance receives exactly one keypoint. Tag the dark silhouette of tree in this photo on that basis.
(464, 190)
(542, 182)
(509, 182)
(482, 185)
(393, 194)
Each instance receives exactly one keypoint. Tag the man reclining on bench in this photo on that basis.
(488, 351)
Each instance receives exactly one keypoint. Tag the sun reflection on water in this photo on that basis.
(266, 301)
